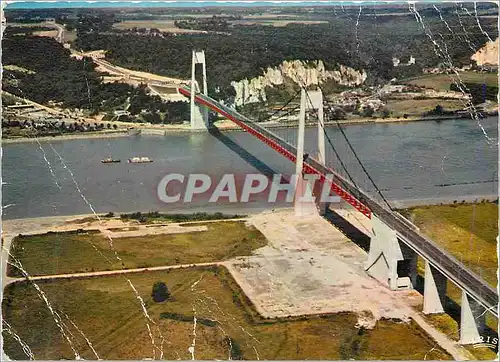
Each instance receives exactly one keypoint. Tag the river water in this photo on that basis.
(412, 162)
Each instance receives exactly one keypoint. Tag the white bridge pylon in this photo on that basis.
(304, 201)
(199, 114)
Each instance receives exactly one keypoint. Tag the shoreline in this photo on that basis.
(397, 205)
(164, 130)
(75, 136)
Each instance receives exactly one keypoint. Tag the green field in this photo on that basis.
(107, 311)
(167, 26)
(71, 252)
(443, 81)
(468, 232)
(417, 107)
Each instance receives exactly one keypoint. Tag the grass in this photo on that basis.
(18, 69)
(162, 25)
(482, 353)
(467, 231)
(71, 252)
(70, 36)
(277, 23)
(157, 217)
(107, 311)
(448, 323)
(417, 107)
(17, 132)
(443, 81)
(456, 227)
(449, 326)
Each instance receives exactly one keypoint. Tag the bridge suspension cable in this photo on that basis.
(330, 141)
(282, 108)
(289, 112)
(353, 151)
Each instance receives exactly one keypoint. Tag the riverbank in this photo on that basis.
(163, 130)
(469, 199)
(74, 136)
(235, 210)
(358, 121)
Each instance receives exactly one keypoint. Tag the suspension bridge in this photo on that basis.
(395, 241)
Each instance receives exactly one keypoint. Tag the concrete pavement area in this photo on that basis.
(310, 267)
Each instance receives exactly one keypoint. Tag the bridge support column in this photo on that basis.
(384, 254)
(199, 114)
(315, 102)
(323, 207)
(472, 320)
(387, 257)
(434, 290)
(304, 205)
(407, 268)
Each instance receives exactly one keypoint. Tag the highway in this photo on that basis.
(453, 269)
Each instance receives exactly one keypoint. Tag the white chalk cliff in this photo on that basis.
(487, 55)
(310, 73)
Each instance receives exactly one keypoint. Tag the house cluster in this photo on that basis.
(397, 62)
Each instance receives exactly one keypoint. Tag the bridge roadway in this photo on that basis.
(453, 269)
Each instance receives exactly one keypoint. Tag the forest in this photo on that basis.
(369, 42)
(250, 49)
(55, 76)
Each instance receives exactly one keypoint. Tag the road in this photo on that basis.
(60, 32)
(134, 74)
(109, 272)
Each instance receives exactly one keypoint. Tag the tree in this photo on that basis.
(367, 112)
(160, 292)
(386, 113)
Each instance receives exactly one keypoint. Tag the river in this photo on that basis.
(414, 162)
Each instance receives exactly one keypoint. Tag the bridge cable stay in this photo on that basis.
(282, 108)
(289, 112)
(357, 158)
(288, 137)
(331, 143)
(327, 136)
(303, 86)
(268, 118)
(333, 148)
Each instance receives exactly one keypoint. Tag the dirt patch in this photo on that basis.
(48, 33)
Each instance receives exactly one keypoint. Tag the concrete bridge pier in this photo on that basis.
(407, 268)
(472, 320)
(305, 204)
(312, 100)
(199, 114)
(304, 184)
(434, 290)
(387, 258)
